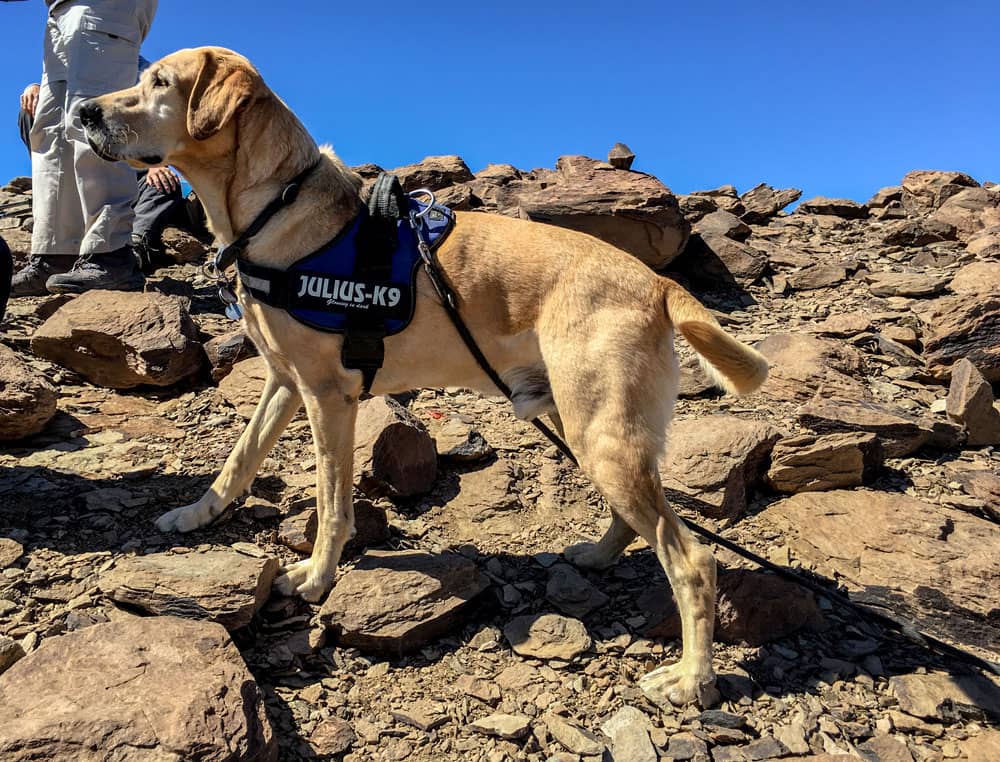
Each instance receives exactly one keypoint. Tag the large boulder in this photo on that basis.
(434, 173)
(763, 202)
(956, 328)
(970, 211)
(27, 399)
(630, 210)
(394, 456)
(977, 278)
(223, 586)
(156, 688)
(810, 463)
(898, 433)
(802, 365)
(122, 340)
(717, 460)
(838, 207)
(970, 403)
(926, 190)
(923, 561)
(393, 602)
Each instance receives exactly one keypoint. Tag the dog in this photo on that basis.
(579, 330)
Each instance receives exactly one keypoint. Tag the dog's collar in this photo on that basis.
(227, 255)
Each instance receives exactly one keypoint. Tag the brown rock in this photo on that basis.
(222, 586)
(926, 190)
(763, 202)
(332, 736)
(630, 210)
(27, 399)
(10, 552)
(985, 243)
(486, 492)
(982, 484)
(803, 365)
(970, 403)
(420, 597)
(935, 565)
(457, 441)
(886, 749)
(394, 456)
(434, 173)
(947, 698)
(715, 259)
(984, 746)
(509, 726)
(183, 247)
(918, 232)
(717, 460)
(10, 652)
(962, 328)
(694, 207)
(815, 463)
(723, 223)
(905, 284)
(371, 527)
(817, 276)
(977, 278)
(159, 688)
(243, 385)
(573, 738)
(844, 325)
(899, 434)
(571, 593)
(620, 156)
(886, 196)
(225, 351)
(902, 334)
(752, 607)
(838, 207)
(122, 340)
(547, 636)
(970, 211)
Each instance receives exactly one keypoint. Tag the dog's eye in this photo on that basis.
(159, 81)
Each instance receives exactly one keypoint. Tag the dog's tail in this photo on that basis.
(729, 363)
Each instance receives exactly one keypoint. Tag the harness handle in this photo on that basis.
(430, 204)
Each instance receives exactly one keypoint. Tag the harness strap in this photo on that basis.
(227, 255)
(363, 348)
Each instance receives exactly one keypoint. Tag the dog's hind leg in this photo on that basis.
(332, 415)
(606, 551)
(279, 402)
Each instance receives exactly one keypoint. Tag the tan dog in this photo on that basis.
(578, 329)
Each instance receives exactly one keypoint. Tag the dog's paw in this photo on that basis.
(590, 555)
(184, 519)
(301, 579)
(679, 685)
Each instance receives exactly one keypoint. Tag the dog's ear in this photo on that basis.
(221, 88)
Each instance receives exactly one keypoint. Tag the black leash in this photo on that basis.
(907, 629)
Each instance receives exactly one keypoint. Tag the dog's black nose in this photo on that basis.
(90, 114)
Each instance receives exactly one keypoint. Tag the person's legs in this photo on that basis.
(58, 222)
(105, 193)
(154, 210)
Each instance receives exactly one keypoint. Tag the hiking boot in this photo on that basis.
(150, 256)
(114, 271)
(30, 280)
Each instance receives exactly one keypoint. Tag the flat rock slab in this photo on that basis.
(27, 399)
(716, 460)
(394, 602)
(762, 202)
(977, 278)
(905, 284)
(154, 688)
(810, 463)
(956, 328)
(838, 207)
(937, 566)
(899, 434)
(547, 636)
(122, 340)
(629, 730)
(223, 586)
(947, 698)
(509, 726)
(394, 456)
(970, 403)
(802, 365)
(371, 527)
(242, 386)
(752, 607)
(10, 552)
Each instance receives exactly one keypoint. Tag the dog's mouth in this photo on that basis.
(100, 148)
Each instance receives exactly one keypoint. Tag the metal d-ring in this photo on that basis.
(423, 192)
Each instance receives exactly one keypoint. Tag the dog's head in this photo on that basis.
(184, 105)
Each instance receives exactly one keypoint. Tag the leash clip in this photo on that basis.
(224, 286)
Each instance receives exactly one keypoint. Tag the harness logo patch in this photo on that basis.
(347, 293)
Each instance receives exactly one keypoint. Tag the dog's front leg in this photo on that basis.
(332, 415)
(279, 402)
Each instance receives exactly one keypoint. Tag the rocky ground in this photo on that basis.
(456, 630)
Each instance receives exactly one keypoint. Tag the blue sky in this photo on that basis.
(839, 99)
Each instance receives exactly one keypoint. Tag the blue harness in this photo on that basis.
(325, 289)
(361, 284)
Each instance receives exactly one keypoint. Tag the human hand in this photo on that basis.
(29, 99)
(163, 179)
